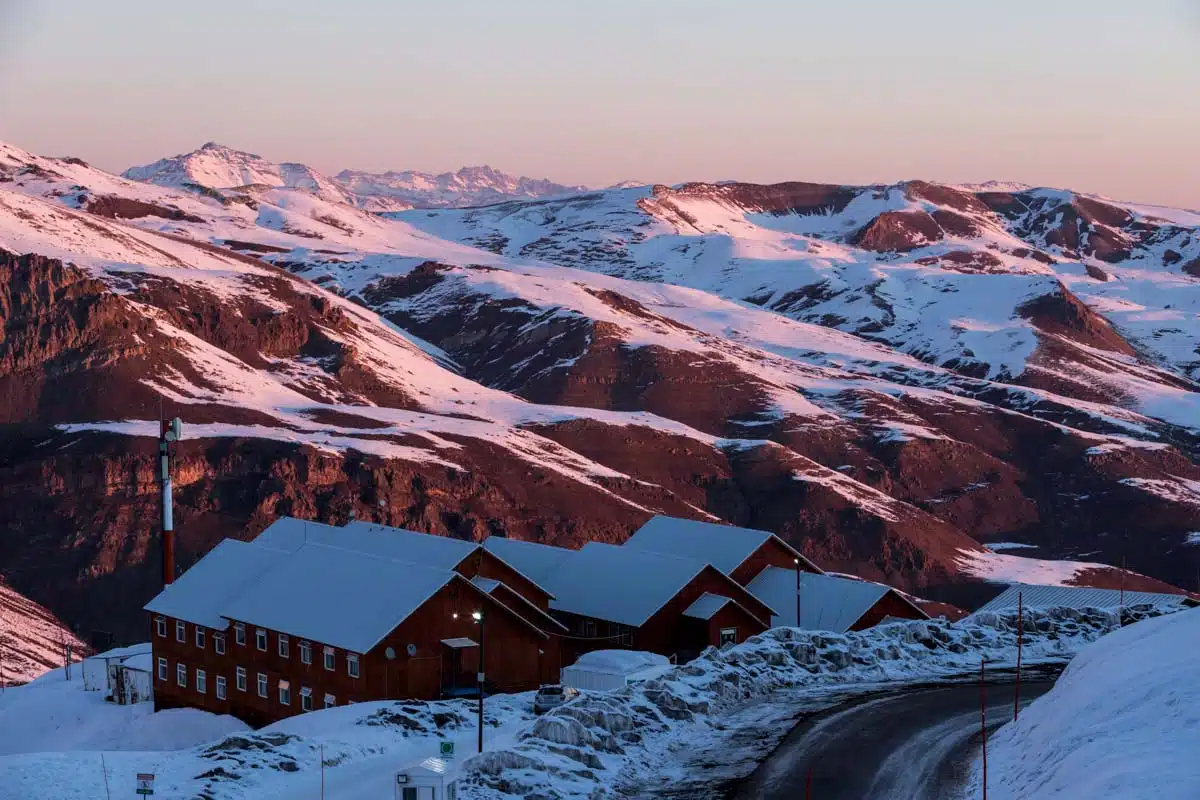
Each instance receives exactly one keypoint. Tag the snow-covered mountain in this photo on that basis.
(888, 376)
(32, 640)
(215, 166)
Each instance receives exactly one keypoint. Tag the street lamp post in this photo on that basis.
(480, 677)
(797, 562)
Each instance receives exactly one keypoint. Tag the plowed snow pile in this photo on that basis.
(611, 745)
(1122, 723)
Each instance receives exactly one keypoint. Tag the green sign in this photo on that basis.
(145, 783)
(447, 749)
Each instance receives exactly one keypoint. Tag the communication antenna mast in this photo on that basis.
(167, 434)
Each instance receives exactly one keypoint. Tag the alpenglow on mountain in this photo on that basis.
(922, 384)
(215, 166)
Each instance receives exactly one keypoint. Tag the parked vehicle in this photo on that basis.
(552, 696)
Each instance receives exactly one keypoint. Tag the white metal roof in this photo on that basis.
(345, 598)
(487, 584)
(428, 549)
(1074, 597)
(826, 603)
(225, 571)
(535, 561)
(706, 605)
(528, 608)
(620, 662)
(619, 584)
(723, 546)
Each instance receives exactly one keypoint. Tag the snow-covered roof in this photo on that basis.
(335, 596)
(723, 546)
(620, 662)
(619, 584)
(224, 572)
(122, 653)
(535, 561)
(527, 609)
(826, 603)
(380, 540)
(706, 605)
(1033, 596)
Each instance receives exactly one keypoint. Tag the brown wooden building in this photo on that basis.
(263, 633)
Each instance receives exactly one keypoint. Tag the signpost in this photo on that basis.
(145, 783)
(447, 750)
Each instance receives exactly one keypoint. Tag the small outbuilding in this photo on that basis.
(606, 670)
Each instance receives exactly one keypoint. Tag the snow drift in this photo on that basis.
(1122, 723)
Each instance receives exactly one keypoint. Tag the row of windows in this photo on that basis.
(260, 642)
(201, 678)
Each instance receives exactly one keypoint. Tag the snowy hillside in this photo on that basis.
(889, 377)
(1123, 722)
(31, 638)
(215, 166)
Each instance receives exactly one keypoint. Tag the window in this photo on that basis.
(330, 701)
(408, 793)
(239, 633)
(305, 653)
(241, 679)
(285, 693)
(160, 626)
(221, 687)
(181, 674)
(162, 669)
(180, 631)
(305, 698)
(352, 665)
(262, 684)
(200, 637)
(219, 643)
(728, 636)
(329, 660)
(201, 681)
(260, 639)
(284, 646)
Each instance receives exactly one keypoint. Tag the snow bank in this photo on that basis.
(620, 662)
(1122, 723)
(615, 740)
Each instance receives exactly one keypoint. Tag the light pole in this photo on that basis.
(797, 562)
(478, 617)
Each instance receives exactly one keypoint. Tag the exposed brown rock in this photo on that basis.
(1095, 272)
(898, 232)
(115, 207)
(1061, 312)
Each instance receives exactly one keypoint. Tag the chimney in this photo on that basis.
(168, 434)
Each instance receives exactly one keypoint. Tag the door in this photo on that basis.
(425, 793)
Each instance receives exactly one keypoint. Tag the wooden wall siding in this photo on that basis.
(890, 605)
(485, 563)
(769, 554)
(658, 634)
(517, 660)
(733, 616)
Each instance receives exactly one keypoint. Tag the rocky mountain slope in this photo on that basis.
(890, 377)
(32, 640)
(215, 166)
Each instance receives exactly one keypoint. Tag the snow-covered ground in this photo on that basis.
(1122, 723)
(53, 734)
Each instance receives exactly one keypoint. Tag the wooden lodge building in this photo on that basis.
(311, 616)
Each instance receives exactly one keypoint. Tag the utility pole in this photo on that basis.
(797, 562)
(480, 676)
(1020, 639)
(983, 722)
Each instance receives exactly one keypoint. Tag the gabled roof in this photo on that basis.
(619, 584)
(537, 562)
(1077, 597)
(224, 572)
(723, 546)
(380, 540)
(345, 598)
(826, 603)
(501, 592)
(706, 605)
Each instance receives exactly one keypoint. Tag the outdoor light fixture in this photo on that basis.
(477, 615)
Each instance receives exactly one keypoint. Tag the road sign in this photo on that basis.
(447, 750)
(145, 783)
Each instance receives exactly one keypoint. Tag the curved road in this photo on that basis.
(907, 746)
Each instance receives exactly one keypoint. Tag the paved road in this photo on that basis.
(907, 746)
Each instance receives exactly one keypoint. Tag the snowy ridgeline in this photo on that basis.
(1122, 723)
(614, 744)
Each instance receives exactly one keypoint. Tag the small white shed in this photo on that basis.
(132, 680)
(605, 670)
(432, 779)
(98, 669)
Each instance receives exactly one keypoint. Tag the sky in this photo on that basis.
(1094, 95)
